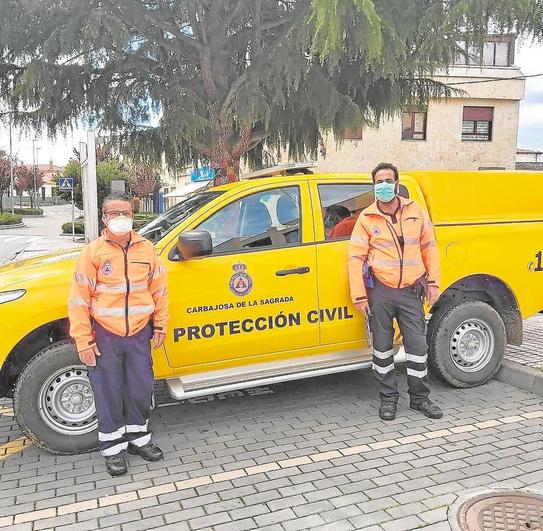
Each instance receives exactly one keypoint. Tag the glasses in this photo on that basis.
(117, 213)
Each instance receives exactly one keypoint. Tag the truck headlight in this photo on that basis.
(13, 295)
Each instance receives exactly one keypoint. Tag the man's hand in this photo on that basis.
(158, 339)
(432, 295)
(363, 307)
(88, 356)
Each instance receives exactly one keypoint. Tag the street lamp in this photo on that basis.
(34, 163)
(35, 177)
(11, 167)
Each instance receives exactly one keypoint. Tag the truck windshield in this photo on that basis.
(158, 227)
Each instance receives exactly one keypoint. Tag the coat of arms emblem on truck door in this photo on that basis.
(241, 282)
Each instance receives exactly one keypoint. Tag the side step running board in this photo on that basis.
(178, 392)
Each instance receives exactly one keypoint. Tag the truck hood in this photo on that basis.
(19, 273)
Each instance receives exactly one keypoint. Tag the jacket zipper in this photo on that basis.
(125, 251)
(398, 246)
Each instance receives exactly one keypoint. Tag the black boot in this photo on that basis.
(387, 409)
(149, 452)
(428, 408)
(116, 465)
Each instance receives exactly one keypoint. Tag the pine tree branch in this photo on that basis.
(234, 87)
(256, 139)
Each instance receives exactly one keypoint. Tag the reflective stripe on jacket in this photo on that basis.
(374, 241)
(120, 288)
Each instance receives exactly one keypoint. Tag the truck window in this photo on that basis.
(340, 206)
(265, 219)
(164, 223)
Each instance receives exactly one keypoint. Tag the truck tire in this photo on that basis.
(54, 403)
(466, 343)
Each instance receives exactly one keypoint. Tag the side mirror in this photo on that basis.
(194, 244)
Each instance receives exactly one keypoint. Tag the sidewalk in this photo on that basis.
(40, 235)
(530, 353)
(291, 456)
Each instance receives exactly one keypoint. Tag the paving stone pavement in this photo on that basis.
(531, 351)
(286, 457)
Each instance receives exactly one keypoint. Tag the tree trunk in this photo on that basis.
(226, 171)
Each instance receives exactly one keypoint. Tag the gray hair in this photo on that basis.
(117, 197)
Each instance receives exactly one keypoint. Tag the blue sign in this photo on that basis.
(66, 184)
(205, 173)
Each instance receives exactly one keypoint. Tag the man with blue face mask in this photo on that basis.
(393, 267)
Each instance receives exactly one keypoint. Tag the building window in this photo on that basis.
(413, 125)
(354, 133)
(497, 50)
(477, 123)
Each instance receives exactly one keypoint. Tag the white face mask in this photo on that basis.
(120, 225)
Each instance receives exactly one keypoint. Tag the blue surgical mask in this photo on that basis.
(385, 192)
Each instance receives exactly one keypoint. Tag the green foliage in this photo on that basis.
(8, 219)
(106, 171)
(211, 80)
(79, 227)
(139, 221)
(28, 211)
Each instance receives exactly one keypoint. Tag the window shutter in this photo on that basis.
(478, 113)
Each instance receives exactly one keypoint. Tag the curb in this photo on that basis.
(77, 235)
(14, 226)
(521, 376)
(33, 215)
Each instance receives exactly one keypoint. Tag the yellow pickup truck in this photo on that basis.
(259, 292)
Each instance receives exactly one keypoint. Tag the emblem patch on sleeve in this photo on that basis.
(241, 282)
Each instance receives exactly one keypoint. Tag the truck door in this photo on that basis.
(250, 298)
(336, 205)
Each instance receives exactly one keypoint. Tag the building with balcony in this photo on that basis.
(473, 130)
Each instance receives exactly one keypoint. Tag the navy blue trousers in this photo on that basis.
(122, 383)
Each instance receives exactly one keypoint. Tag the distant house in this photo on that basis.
(529, 159)
(49, 171)
(474, 130)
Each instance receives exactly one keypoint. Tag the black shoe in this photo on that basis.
(149, 452)
(387, 409)
(428, 408)
(116, 465)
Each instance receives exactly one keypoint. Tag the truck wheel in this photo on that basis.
(54, 403)
(466, 343)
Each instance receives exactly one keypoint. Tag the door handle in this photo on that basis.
(296, 271)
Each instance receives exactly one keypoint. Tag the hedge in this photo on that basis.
(79, 227)
(29, 211)
(8, 219)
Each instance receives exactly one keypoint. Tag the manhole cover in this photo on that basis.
(504, 511)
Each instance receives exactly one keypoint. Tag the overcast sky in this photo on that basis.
(529, 57)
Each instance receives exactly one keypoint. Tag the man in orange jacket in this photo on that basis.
(393, 265)
(118, 303)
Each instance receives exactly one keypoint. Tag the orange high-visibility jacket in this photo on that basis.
(120, 288)
(375, 241)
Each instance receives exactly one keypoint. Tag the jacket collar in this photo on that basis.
(134, 237)
(374, 209)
